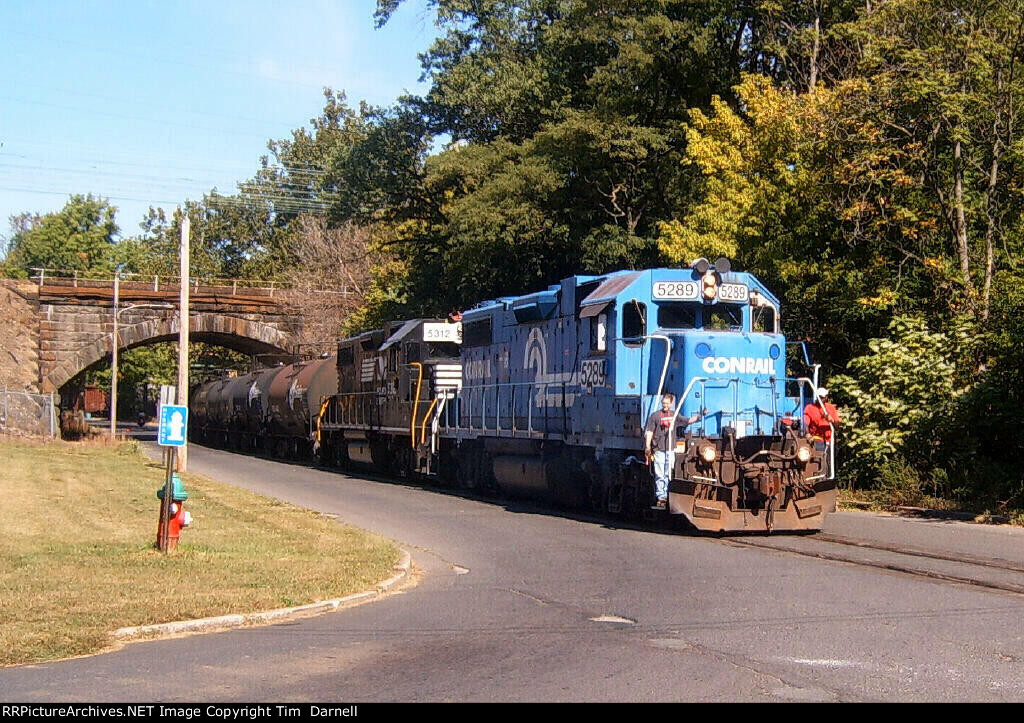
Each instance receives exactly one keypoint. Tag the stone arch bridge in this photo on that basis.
(76, 321)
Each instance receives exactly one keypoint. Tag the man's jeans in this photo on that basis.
(663, 462)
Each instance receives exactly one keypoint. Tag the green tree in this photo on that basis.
(927, 135)
(79, 237)
(900, 394)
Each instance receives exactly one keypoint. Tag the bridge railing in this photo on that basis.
(158, 282)
(154, 282)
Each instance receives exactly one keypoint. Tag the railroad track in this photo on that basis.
(992, 573)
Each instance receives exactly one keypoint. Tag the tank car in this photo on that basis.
(211, 423)
(293, 405)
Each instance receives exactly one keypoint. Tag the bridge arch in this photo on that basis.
(250, 336)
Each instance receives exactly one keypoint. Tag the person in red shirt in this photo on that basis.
(819, 415)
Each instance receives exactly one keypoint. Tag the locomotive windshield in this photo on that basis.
(677, 316)
(442, 349)
(764, 320)
(723, 317)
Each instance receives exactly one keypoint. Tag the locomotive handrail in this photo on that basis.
(353, 408)
(664, 370)
(655, 399)
(426, 417)
(415, 404)
(470, 392)
(320, 417)
(831, 444)
(733, 382)
(774, 396)
(679, 406)
(832, 430)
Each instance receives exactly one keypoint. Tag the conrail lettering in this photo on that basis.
(738, 365)
(477, 369)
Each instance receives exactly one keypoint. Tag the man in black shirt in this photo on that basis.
(659, 445)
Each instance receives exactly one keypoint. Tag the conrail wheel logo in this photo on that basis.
(738, 365)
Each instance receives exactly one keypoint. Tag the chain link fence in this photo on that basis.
(27, 414)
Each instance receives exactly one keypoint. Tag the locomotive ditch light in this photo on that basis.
(708, 453)
(803, 452)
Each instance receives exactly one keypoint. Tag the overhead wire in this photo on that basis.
(42, 172)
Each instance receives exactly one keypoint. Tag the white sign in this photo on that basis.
(173, 426)
(733, 292)
(675, 290)
(433, 331)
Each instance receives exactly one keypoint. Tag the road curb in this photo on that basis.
(952, 515)
(929, 513)
(224, 622)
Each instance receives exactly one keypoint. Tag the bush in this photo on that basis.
(896, 399)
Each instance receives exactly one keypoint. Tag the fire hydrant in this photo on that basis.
(179, 516)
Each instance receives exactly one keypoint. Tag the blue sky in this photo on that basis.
(152, 103)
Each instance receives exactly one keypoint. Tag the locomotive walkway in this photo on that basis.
(76, 318)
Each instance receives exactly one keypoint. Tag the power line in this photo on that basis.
(292, 167)
(165, 181)
(156, 121)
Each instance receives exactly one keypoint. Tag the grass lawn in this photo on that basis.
(77, 559)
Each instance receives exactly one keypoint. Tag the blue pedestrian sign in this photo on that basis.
(173, 425)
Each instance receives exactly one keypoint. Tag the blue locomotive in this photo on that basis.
(546, 396)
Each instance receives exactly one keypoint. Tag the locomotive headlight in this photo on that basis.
(803, 453)
(708, 453)
(710, 282)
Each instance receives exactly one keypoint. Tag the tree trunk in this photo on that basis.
(960, 221)
(990, 230)
(815, 50)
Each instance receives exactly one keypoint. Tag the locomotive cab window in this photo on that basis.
(763, 319)
(723, 317)
(634, 322)
(412, 352)
(599, 332)
(677, 316)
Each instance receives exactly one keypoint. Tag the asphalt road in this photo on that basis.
(518, 603)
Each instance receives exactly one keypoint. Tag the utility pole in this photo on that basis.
(183, 310)
(113, 361)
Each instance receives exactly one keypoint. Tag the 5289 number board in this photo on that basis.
(675, 290)
(690, 291)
